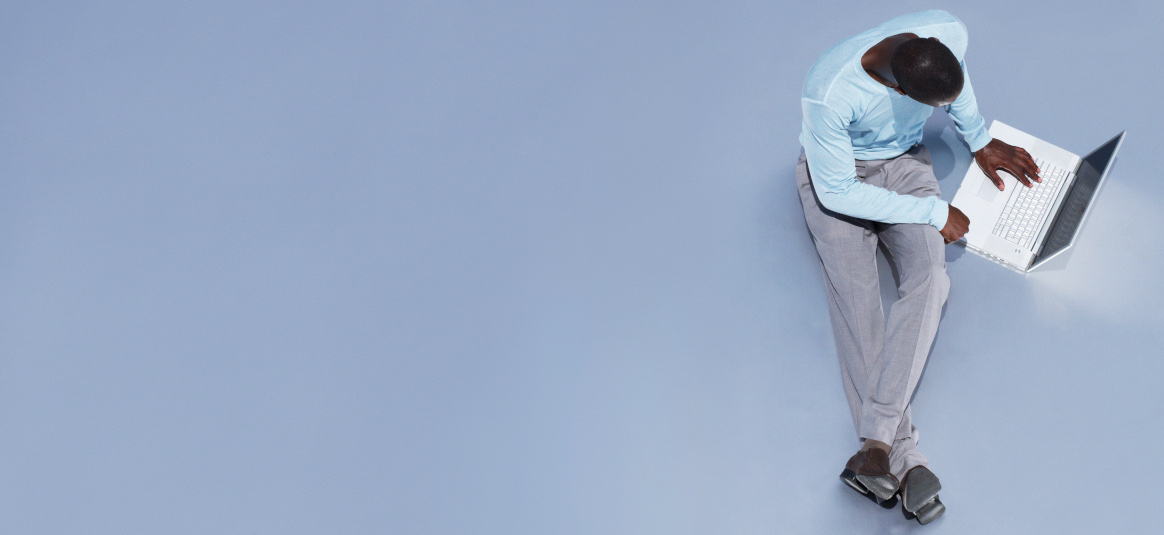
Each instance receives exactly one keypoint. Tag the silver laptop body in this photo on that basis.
(1023, 228)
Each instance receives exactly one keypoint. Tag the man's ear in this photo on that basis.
(935, 39)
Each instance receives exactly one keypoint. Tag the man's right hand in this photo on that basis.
(957, 225)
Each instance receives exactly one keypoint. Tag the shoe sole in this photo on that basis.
(920, 488)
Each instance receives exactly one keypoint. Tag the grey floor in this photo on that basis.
(531, 268)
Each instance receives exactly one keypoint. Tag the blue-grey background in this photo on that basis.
(531, 267)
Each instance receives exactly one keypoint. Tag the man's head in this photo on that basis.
(926, 71)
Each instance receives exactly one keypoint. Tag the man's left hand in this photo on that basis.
(1014, 160)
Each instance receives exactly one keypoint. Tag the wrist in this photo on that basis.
(990, 144)
(940, 214)
(980, 141)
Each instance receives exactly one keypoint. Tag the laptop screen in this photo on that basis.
(1071, 214)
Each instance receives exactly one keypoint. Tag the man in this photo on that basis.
(864, 178)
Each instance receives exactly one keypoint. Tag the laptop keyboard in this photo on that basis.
(1027, 209)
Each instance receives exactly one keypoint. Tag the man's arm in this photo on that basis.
(990, 154)
(964, 112)
(829, 151)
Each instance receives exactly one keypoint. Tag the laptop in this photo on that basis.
(1028, 229)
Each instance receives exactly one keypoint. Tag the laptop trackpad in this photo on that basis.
(987, 190)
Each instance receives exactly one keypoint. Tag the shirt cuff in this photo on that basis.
(940, 213)
(978, 140)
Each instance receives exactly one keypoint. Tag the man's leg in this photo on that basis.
(918, 253)
(905, 454)
(847, 249)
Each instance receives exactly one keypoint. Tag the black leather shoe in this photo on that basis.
(919, 495)
(868, 472)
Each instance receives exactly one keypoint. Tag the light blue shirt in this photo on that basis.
(850, 116)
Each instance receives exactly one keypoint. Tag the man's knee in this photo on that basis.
(929, 277)
(941, 281)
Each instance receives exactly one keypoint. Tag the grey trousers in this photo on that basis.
(881, 361)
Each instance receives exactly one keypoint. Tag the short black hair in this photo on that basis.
(927, 71)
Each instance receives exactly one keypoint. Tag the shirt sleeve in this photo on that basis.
(829, 151)
(964, 111)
